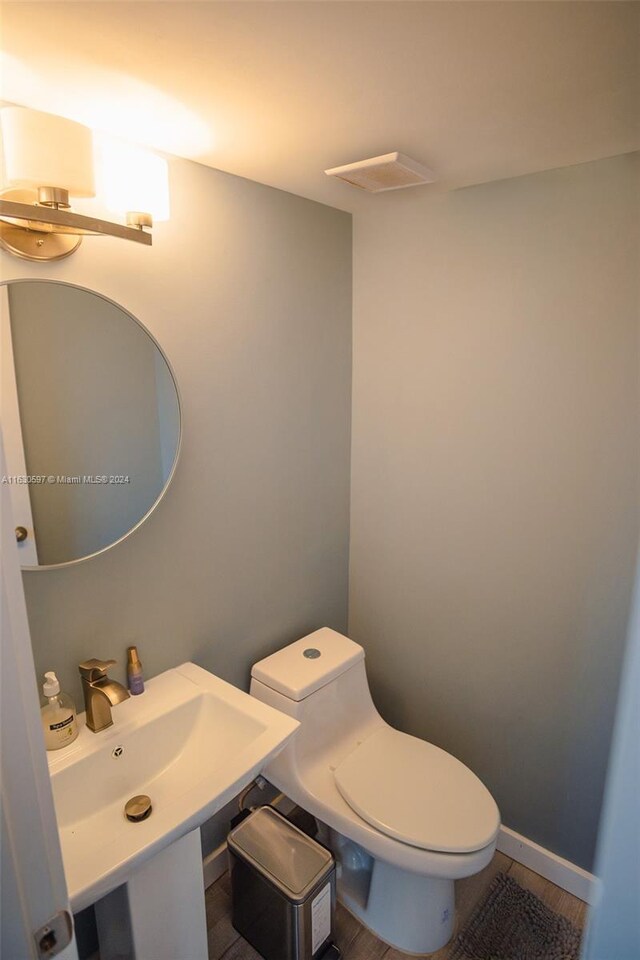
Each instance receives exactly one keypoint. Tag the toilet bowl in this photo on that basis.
(404, 818)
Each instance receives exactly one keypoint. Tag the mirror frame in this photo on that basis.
(89, 556)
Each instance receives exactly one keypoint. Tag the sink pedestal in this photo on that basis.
(159, 914)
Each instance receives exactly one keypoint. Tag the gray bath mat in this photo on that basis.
(513, 924)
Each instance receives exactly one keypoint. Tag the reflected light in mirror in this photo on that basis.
(130, 178)
(114, 102)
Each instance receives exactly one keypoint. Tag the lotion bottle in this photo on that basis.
(135, 680)
(59, 721)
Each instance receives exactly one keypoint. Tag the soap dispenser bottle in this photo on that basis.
(135, 680)
(59, 720)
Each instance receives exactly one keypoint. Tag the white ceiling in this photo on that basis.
(280, 91)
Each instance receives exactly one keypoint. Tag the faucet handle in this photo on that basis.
(93, 669)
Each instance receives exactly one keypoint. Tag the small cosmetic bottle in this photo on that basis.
(135, 680)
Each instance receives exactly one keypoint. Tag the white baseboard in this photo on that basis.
(214, 865)
(563, 873)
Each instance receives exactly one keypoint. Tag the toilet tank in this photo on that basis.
(327, 692)
(303, 667)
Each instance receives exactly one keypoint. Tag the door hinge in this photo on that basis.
(54, 936)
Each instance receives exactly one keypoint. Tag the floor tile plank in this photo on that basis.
(347, 928)
(555, 897)
(358, 943)
(221, 936)
(365, 947)
(217, 904)
(241, 950)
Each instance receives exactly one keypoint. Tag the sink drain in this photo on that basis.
(138, 808)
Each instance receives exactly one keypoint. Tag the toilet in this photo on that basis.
(403, 818)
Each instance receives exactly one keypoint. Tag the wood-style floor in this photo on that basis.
(357, 943)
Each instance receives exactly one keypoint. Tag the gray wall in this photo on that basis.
(248, 291)
(495, 478)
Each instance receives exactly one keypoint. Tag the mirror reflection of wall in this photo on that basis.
(96, 399)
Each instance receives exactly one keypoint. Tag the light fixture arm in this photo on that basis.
(36, 231)
(46, 160)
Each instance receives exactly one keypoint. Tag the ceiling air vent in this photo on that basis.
(392, 171)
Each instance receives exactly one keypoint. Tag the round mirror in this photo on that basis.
(90, 420)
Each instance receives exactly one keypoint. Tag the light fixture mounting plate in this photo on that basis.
(30, 244)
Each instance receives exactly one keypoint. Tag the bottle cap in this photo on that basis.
(133, 658)
(51, 685)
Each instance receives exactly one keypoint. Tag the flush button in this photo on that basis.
(311, 653)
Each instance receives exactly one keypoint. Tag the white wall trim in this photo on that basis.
(563, 873)
(215, 864)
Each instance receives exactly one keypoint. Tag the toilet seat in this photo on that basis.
(417, 793)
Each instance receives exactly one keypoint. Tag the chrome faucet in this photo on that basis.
(100, 693)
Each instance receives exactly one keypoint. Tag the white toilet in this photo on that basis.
(403, 818)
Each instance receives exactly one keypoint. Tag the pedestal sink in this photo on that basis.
(190, 742)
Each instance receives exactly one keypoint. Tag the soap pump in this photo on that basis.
(59, 721)
(135, 680)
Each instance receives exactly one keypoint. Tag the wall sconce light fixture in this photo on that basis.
(48, 159)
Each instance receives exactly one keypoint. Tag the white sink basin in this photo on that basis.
(191, 742)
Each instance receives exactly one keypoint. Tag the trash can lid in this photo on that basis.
(281, 852)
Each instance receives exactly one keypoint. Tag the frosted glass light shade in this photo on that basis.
(131, 178)
(43, 150)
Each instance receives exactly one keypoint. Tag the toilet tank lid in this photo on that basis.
(301, 668)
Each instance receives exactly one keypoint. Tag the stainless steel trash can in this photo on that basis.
(283, 887)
